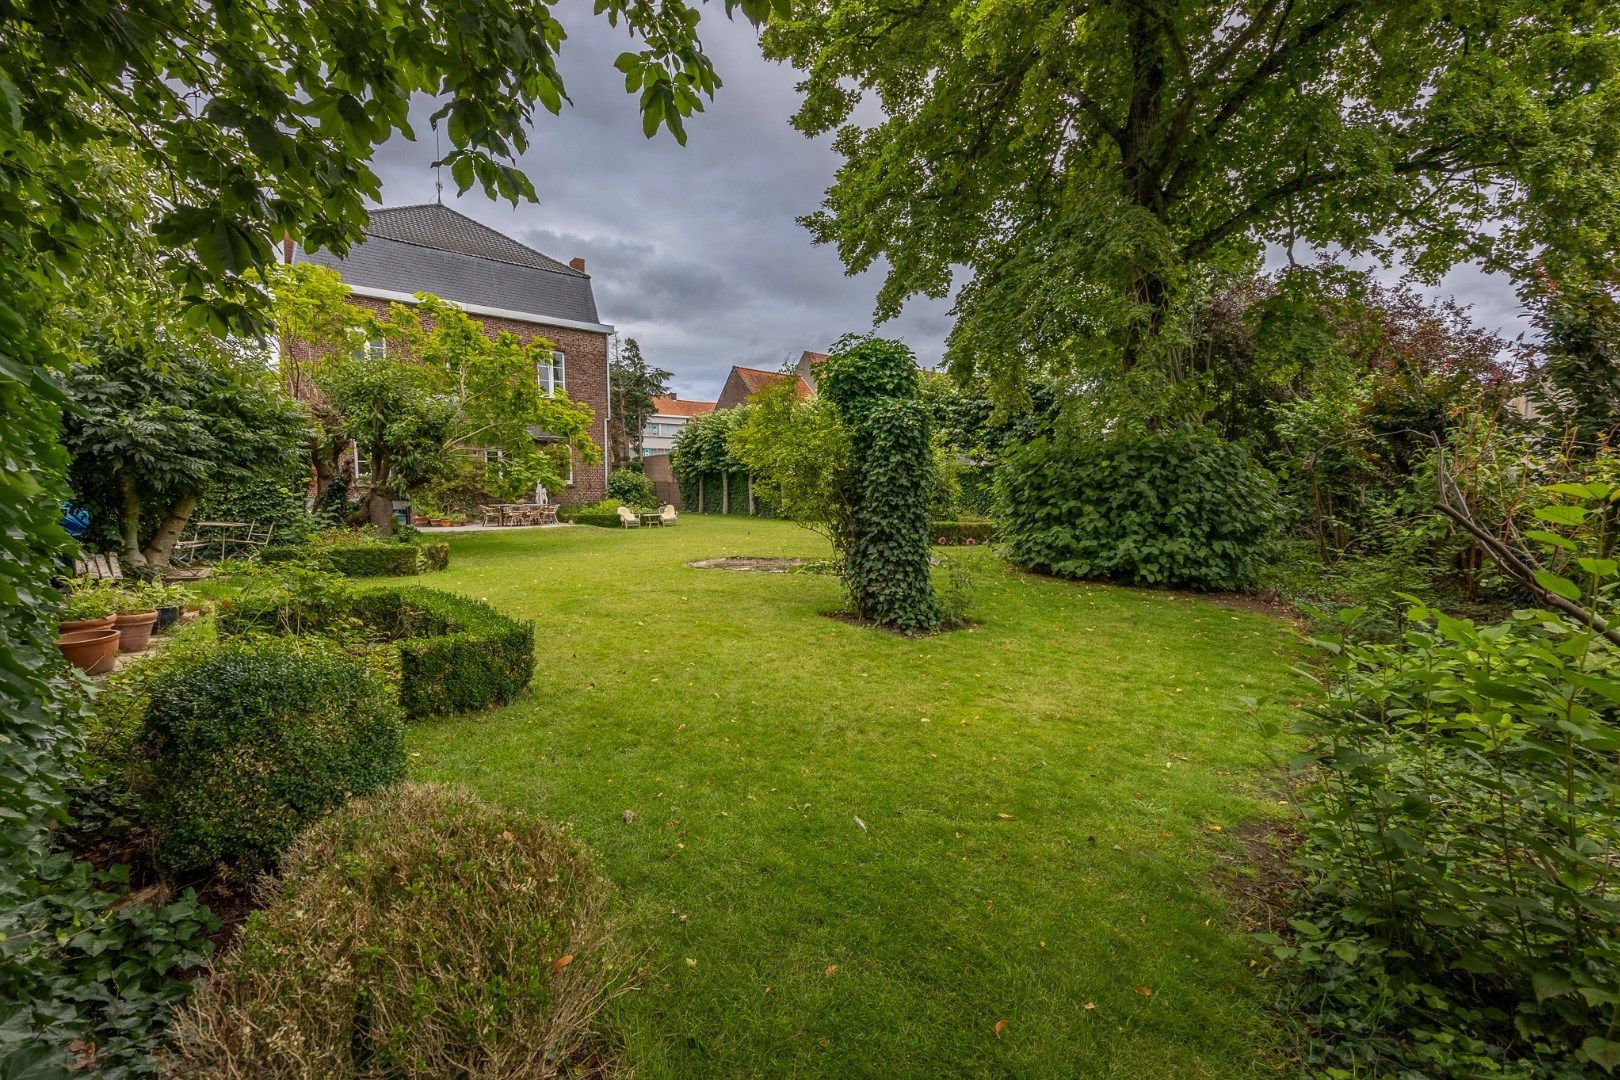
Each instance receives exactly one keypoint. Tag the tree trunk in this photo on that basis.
(130, 520)
(379, 505)
(161, 548)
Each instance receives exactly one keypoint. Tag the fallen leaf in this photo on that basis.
(1004, 817)
(832, 969)
(561, 962)
(1089, 1005)
(1214, 828)
(1001, 1025)
(1144, 991)
(859, 822)
(691, 962)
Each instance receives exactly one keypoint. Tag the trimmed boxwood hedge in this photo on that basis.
(252, 741)
(381, 559)
(955, 533)
(456, 654)
(370, 560)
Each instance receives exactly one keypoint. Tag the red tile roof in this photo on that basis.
(757, 380)
(671, 406)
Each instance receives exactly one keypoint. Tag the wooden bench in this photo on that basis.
(99, 568)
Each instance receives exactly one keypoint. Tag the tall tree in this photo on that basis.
(1091, 163)
(156, 422)
(635, 383)
(262, 119)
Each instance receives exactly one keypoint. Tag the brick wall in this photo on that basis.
(585, 371)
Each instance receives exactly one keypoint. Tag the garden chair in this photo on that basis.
(666, 514)
(628, 518)
(489, 515)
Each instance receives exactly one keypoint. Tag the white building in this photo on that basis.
(670, 414)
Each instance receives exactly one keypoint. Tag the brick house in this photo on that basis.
(503, 284)
(744, 382)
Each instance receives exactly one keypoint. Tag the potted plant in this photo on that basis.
(170, 601)
(94, 652)
(88, 607)
(137, 614)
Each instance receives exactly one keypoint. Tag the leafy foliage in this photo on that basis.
(967, 531)
(422, 932)
(1090, 169)
(630, 487)
(160, 419)
(797, 452)
(1579, 384)
(1172, 509)
(261, 121)
(256, 740)
(872, 384)
(702, 453)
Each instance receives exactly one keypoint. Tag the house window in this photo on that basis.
(358, 465)
(553, 374)
(369, 348)
(650, 429)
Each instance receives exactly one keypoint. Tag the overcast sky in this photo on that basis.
(695, 250)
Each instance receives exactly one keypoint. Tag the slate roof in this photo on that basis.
(432, 248)
(671, 406)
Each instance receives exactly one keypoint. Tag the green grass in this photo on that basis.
(1037, 792)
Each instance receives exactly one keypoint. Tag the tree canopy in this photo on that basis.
(1092, 165)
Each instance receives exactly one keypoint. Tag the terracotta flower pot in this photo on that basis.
(135, 631)
(92, 651)
(72, 625)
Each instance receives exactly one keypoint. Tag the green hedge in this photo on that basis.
(456, 654)
(434, 556)
(370, 560)
(253, 741)
(1176, 508)
(955, 533)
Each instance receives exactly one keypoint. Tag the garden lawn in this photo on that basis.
(845, 853)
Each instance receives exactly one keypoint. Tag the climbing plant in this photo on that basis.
(872, 383)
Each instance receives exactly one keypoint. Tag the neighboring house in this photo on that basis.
(806, 367)
(743, 383)
(505, 285)
(670, 414)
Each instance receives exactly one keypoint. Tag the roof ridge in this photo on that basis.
(566, 271)
(556, 266)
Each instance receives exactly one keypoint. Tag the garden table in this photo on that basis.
(653, 518)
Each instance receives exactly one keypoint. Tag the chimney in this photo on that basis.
(286, 248)
(673, 396)
(577, 264)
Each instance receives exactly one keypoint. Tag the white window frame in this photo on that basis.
(369, 348)
(355, 458)
(553, 376)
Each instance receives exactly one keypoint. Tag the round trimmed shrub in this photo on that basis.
(252, 741)
(631, 487)
(420, 932)
(1178, 508)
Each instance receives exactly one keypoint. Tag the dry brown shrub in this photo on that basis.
(423, 933)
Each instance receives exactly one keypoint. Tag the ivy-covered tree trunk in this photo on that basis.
(872, 383)
(887, 564)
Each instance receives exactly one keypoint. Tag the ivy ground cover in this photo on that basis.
(846, 853)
